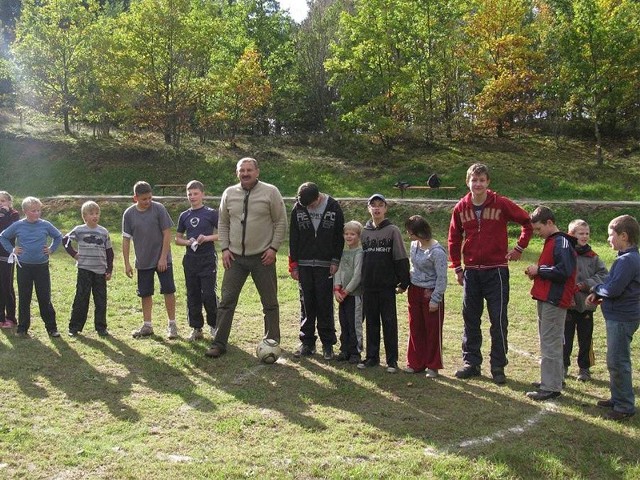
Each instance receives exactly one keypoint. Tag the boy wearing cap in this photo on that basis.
(315, 248)
(478, 235)
(385, 272)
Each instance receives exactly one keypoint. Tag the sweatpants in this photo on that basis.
(317, 292)
(89, 282)
(380, 308)
(582, 322)
(551, 333)
(7, 292)
(30, 275)
(200, 280)
(350, 315)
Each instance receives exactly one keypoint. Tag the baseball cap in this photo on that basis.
(376, 196)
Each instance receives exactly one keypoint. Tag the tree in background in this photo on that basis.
(165, 46)
(51, 48)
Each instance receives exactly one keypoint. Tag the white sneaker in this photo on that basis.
(432, 373)
(143, 331)
(196, 335)
(392, 368)
(172, 331)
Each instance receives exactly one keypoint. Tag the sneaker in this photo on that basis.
(584, 375)
(468, 371)
(214, 351)
(354, 359)
(432, 373)
(605, 403)
(409, 370)
(368, 363)
(22, 334)
(172, 331)
(54, 333)
(327, 352)
(7, 324)
(392, 368)
(73, 333)
(499, 378)
(618, 416)
(342, 357)
(144, 331)
(196, 335)
(542, 395)
(304, 351)
(104, 333)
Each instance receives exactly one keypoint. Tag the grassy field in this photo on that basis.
(124, 408)
(109, 408)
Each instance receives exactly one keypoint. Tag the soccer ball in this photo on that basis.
(268, 351)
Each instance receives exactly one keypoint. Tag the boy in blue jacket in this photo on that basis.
(620, 296)
(32, 253)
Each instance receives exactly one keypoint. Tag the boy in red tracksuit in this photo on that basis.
(478, 235)
(554, 281)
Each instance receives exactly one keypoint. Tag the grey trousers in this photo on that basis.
(266, 282)
(551, 332)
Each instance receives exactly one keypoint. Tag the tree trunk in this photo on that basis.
(599, 158)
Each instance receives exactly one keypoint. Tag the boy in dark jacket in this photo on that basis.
(315, 248)
(554, 280)
(478, 235)
(385, 272)
(620, 295)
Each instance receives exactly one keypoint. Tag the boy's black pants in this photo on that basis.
(317, 292)
(89, 282)
(583, 323)
(380, 307)
(28, 276)
(200, 280)
(7, 293)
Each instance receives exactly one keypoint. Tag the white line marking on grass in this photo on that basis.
(547, 408)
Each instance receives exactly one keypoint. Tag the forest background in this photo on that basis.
(396, 71)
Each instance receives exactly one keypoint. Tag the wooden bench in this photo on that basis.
(162, 186)
(403, 188)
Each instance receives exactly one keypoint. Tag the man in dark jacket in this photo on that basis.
(315, 247)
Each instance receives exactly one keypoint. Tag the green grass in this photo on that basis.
(125, 408)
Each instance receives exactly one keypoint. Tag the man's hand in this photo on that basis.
(513, 255)
(460, 277)
(268, 257)
(227, 259)
(128, 271)
(162, 264)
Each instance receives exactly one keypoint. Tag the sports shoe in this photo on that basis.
(54, 333)
(542, 395)
(104, 333)
(468, 371)
(172, 331)
(304, 351)
(327, 352)
(22, 334)
(342, 357)
(432, 373)
(392, 368)
(196, 334)
(618, 416)
(409, 370)
(7, 324)
(73, 333)
(143, 331)
(369, 362)
(538, 384)
(214, 351)
(584, 375)
(605, 403)
(499, 378)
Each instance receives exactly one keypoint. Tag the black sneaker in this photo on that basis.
(354, 359)
(499, 378)
(468, 371)
(304, 351)
(103, 333)
(343, 357)
(369, 362)
(327, 352)
(542, 395)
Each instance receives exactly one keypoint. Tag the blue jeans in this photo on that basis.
(619, 336)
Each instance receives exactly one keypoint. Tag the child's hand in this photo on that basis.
(17, 250)
(45, 250)
(107, 276)
(592, 299)
(433, 307)
(531, 271)
(338, 296)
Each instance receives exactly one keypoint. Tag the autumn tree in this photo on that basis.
(51, 47)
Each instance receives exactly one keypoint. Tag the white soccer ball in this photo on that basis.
(268, 351)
